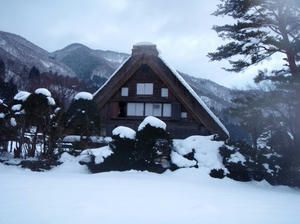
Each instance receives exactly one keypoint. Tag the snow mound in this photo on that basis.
(124, 132)
(22, 96)
(70, 164)
(83, 96)
(99, 153)
(206, 152)
(152, 121)
(43, 91)
(180, 161)
(16, 107)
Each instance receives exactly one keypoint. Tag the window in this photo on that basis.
(144, 88)
(183, 114)
(124, 91)
(164, 92)
(135, 109)
(167, 110)
(153, 109)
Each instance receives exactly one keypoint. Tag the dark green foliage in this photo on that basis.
(120, 160)
(217, 173)
(7, 91)
(82, 118)
(153, 148)
(37, 109)
(39, 165)
(262, 28)
(34, 74)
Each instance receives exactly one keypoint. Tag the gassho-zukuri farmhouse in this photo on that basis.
(144, 85)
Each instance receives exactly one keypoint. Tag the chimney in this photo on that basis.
(146, 48)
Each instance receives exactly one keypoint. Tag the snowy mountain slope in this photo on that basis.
(20, 55)
(87, 63)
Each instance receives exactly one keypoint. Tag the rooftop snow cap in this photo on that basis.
(144, 48)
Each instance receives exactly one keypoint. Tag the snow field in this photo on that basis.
(184, 196)
(70, 194)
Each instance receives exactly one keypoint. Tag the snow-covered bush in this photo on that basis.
(244, 163)
(122, 146)
(82, 117)
(153, 145)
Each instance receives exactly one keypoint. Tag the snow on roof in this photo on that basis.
(144, 43)
(83, 96)
(22, 96)
(108, 80)
(124, 132)
(152, 121)
(43, 91)
(195, 95)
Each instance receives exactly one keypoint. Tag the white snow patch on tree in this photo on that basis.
(124, 132)
(180, 161)
(152, 121)
(2, 115)
(16, 107)
(51, 101)
(43, 91)
(22, 96)
(237, 157)
(83, 96)
(13, 122)
(99, 153)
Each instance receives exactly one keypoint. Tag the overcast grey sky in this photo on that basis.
(180, 29)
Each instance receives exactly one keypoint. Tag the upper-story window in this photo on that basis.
(164, 92)
(124, 91)
(144, 88)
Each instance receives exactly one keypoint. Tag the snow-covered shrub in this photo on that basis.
(82, 117)
(122, 145)
(153, 146)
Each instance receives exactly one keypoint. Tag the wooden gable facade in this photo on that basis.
(144, 85)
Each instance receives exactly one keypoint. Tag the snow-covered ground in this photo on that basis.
(68, 194)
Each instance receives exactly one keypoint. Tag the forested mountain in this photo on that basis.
(20, 55)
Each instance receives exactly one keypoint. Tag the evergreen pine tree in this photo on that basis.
(263, 28)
